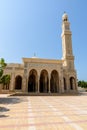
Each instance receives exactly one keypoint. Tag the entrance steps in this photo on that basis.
(45, 94)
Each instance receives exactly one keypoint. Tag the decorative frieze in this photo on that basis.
(19, 68)
(40, 65)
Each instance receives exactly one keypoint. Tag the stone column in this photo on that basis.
(38, 87)
(73, 83)
(67, 84)
(76, 84)
(62, 85)
(60, 89)
(49, 84)
(24, 84)
(24, 81)
(12, 82)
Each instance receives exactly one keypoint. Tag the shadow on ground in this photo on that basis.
(3, 116)
(3, 109)
(11, 100)
(6, 101)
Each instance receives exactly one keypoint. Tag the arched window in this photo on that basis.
(32, 81)
(18, 82)
(72, 83)
(44, 81)
(54, 81)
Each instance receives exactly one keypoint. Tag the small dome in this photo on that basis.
(65, 17)
(34, 57)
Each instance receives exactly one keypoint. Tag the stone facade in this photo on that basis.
(37, 75)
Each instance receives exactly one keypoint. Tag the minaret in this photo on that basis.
(67, 43)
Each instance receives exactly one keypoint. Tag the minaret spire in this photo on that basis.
(67, 42)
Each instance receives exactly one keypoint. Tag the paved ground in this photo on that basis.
(43, 112)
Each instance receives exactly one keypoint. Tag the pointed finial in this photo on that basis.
(65, 16)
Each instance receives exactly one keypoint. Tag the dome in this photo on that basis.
(34, 57)
(65, 17)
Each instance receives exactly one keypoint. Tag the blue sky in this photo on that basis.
(34, 26)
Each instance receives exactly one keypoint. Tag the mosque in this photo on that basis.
(37, 75)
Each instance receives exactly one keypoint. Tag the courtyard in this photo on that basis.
(43, 112)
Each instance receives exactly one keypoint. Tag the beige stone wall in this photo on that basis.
(13, 70)
(43, 64)
(29, 64)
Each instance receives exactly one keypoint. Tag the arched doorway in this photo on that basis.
(54, 82)
(32, 81)
(64, 81)
(18, 82)
(44, 81)
(72, 83)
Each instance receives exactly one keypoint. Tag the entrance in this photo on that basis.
(44, 81)
(54, 82)
(18, 82)
(72, 83)
(32, 84)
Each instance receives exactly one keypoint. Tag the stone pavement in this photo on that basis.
(43, 112)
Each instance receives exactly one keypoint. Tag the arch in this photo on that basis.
(64, 81)
(32, 81)
(18, 82)
(44, 81)
(54, 81)
(72, 83)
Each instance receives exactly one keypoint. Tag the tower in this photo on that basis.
(69, 72)
(67, 43)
